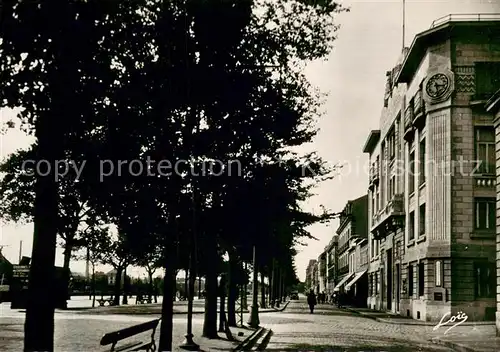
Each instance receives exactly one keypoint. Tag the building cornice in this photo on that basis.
(437, 34)
(372, 141)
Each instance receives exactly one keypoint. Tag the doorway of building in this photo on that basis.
(389, 279)
(398, 286)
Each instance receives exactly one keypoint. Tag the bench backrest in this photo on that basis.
(122, 334)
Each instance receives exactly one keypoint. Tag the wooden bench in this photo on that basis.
(102, 301)
(113, 338)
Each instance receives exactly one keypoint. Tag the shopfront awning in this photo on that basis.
(343, 281)
(353, 281)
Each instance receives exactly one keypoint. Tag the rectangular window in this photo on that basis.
(411, 173)
(485, 213)
(422, 163)
(421, 279)
(393, 187)
(410, 280)
(411, 227)
(391, 140)
(485, 279)
(487, 76)
(485, 150)
(422, 220)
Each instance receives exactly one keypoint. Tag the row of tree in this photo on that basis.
(160, 81)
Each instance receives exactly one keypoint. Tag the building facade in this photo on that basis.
(322, 277)
(493, 107)
(357, 287)
(331, 264)
(353, 227)
(432, 182)
(310, 275)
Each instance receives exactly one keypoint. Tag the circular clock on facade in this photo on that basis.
(437, 85)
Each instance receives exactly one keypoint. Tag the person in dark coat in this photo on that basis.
(311, 301)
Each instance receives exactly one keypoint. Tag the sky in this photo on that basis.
(369, 43)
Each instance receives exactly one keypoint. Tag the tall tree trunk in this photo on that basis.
(125, 286)
(150, 277)
(167, 307)
(199, 287)
(272, 285)
(117, 288)
(93, 285)
(66, 261)
(262, 290)
(39, 323)
(277, 285)
(232, 292)
(210, 321)
(222, 308)
(244, 300)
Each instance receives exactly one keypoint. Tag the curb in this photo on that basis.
(456, 346)
(248, 343)
(277, 309)
(265, 341)
(284, 307)
(411, 321)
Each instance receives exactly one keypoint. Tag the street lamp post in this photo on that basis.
(254, 312)
(188, 343)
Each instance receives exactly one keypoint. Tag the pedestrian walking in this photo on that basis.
(311, 301)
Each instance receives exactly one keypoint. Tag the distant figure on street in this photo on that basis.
(340, 299)
(311, 301)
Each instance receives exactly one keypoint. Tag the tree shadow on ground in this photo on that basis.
(366, 343)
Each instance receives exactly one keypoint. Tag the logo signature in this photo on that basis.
(460, 317)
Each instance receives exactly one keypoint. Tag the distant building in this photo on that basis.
(322, 273)
(331, 264)
(111, 276)
(310, 275)
(353, 227)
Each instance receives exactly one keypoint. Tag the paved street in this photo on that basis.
(339, 330)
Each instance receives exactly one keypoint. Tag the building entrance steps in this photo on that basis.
(392, 318)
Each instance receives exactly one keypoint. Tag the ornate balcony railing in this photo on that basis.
(486, 181)
(418, 103)
(408, 118)
(466, 17)
(391, 218)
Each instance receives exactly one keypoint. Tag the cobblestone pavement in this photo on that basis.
(78, 332)
(338, 330)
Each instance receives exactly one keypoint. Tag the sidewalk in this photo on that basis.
(467, 337)
(146, 309)
(391, 318)
(83, 333)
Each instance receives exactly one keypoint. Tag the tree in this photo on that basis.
(96, 239)
(47, 52)
(151, 261)
(18, 199)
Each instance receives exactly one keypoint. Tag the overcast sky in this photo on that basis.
(369, 43)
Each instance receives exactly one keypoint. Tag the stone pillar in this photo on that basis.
(497, 149)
